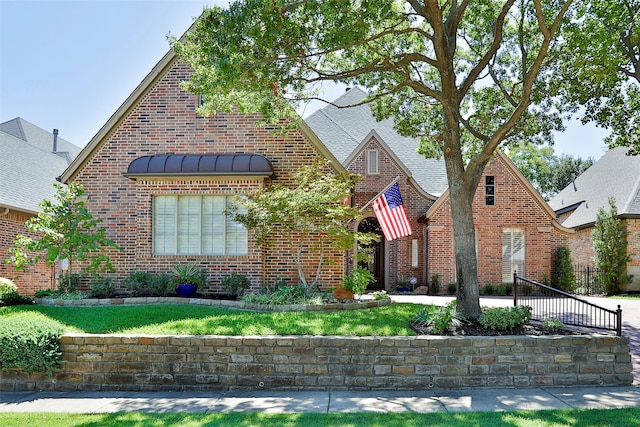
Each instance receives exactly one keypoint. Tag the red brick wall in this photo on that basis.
(514, 208)
(165, 121)
(36, 276)
(399, 250)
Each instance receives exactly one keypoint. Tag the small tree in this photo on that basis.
(610, 246)
(312, 214)
(65, 230)
(563, 276)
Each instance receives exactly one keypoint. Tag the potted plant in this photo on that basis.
(403, 284)
(188, 277)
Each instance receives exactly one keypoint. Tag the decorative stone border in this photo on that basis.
(238, 305)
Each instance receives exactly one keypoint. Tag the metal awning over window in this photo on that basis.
(200, 165)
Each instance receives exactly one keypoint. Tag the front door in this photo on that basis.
(375, 253)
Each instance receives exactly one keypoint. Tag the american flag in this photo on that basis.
(391, 214)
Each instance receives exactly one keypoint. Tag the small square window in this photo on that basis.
(490, 190)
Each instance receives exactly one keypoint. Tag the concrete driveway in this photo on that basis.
(630, 316)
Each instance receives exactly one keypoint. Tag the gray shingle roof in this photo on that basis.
(614, 175)
(341, 130)
(28, 166)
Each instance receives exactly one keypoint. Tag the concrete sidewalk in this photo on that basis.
(423, 401)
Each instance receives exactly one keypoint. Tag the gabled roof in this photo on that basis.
(614, 175)
(156, 73)
(343, 130)
(28, 165)
(535, 195)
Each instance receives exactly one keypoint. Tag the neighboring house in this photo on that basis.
(160, 177)
(516, 229)
(31, 160)
(616, 176)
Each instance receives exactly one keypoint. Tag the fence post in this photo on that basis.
(619, 321)
(515, 289)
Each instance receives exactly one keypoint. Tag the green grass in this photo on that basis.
(200, 320)
(555, 418)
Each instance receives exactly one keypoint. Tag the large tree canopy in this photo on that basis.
(600, 66)
(465, 76)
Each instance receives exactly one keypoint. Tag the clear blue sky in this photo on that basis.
(69, 64)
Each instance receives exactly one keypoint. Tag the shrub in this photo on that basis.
(378, 295)
(504, 290)
(7, 287)
(452, 288)
(30, 345)
(358, 280)
(435, 284)
(488, 289)
(16, 299)
(441, 319)
(553, 325)
(562, 276)
(505, 319)
(235, 283)
(298, 294)
(610, 247)
(102, 287)
(161, 284)
(138, 282)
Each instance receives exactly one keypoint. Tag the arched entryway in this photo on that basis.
(375, 253)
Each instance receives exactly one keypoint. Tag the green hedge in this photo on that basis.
(30, 345)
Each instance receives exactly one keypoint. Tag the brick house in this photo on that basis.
(159, 176)
(31, 160)
(615, 175)
(513, 222)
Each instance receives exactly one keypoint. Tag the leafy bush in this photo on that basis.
(102, 287)
(284, 295)
(161, 284)
(138, 282)
(504, 290)
(435, 284)
(7, 287)
(358, 280)
(378, 295)
(452, 288)
(553, 325)
(30, 345)
(562, 275)
(488, 289)
(441, 319)
(235, 283)
(505, 318)
(16, 299)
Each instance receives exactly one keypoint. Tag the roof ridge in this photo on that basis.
(339, 125)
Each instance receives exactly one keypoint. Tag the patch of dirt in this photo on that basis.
(476, 329)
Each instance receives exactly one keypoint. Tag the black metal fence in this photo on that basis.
(587, 280)
(550, 303)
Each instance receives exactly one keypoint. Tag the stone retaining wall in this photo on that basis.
(140, 362)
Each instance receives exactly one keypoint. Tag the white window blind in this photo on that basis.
(196, 225)
(513, 253)
(372, 162)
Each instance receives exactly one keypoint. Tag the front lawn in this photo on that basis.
(555, 418)
(200, 320)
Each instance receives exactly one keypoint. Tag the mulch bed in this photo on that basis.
(476, 329)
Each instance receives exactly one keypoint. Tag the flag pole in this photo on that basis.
(380, 193)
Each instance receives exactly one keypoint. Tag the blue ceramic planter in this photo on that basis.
(186, 289)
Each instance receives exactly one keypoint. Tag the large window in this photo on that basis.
(196, 225)
(513, 252)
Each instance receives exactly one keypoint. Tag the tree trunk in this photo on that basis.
(462, 188)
